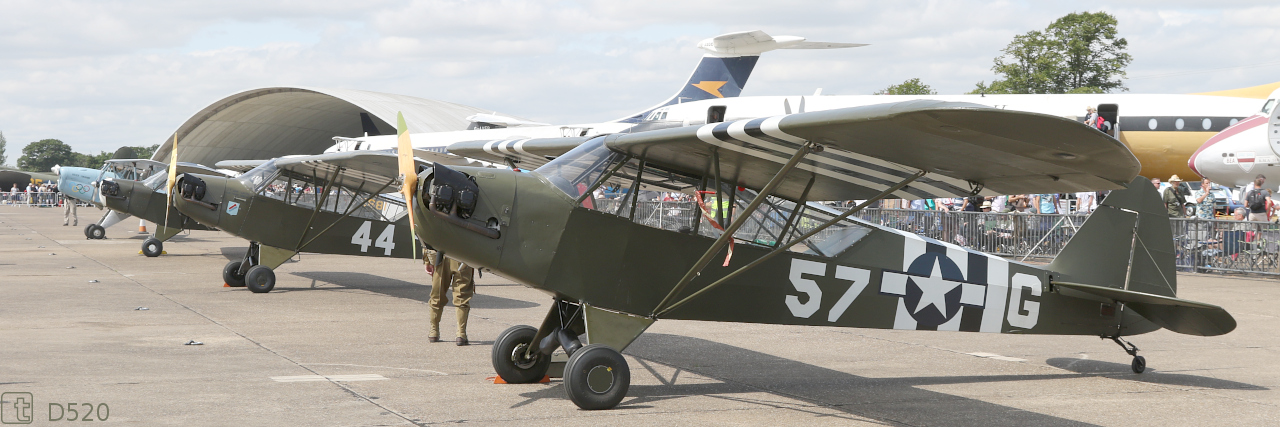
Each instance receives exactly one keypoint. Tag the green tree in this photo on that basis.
(44, 154)
(909, 87)
(1078, 53)
(3, 158)
(146, 152)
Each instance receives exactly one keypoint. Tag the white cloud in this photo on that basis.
(100, 74)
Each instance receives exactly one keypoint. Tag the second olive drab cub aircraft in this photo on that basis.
(612, 275)
(329, 203)
(132, 187)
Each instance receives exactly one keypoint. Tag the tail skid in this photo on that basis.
(1132, 225)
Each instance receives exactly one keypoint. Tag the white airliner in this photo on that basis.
(1162, 130)
(720, 75)
(1238, 154)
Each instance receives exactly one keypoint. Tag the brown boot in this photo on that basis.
(462, 341)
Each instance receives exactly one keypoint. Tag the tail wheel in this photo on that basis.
(260, 279)
(509, 359)
(231, 275)
(1139, 364)
(597, 377)
(152, 247)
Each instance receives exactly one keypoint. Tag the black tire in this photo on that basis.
(1139, 364)
(596, 377)
(95, 232)
(507, 356)
(231, 275)
(152, 247)
(260, 279)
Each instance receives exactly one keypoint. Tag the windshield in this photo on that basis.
(260, 176)
(1266, 108)
(156, 182)
(575, 171)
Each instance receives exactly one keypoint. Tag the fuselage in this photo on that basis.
(277, 215)
(81, 183)
(877, 277)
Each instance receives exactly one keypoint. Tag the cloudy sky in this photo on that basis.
(100, 74)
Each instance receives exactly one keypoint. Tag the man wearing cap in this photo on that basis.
(1174, 200)
(1091, 118)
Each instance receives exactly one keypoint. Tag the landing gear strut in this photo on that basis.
(249, 273)
(1139, 363)
(596, 376)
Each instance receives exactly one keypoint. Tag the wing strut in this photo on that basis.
(788, 245)
(727, 235)
(351, 208)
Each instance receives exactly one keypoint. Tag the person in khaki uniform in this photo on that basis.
(448, 272)
(69, 211)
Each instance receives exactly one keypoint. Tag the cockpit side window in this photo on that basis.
(1270, 105)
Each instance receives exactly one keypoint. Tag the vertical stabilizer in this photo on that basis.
(1130, 224)
(723, 72)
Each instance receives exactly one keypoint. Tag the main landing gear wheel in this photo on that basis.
(231, 275)
(1139, 364)
(152, 247)
(95, 232)
(260, 279)
(596, 377)
(509, 359)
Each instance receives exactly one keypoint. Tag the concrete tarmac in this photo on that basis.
(343, 341)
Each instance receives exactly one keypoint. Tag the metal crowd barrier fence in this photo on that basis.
(36, 199)
(1207, 246)
(1226, 246)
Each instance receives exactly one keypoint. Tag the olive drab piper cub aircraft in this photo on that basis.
(147, 199)
(329, 203)
(612, 274)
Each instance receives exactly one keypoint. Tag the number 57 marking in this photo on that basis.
(858, 279)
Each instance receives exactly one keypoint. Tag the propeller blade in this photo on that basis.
(173, 176)
(408, 174)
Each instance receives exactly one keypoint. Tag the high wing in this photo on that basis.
(525, 153)
(241, 166)
(963, 148)
(152, 165)
(362, 171)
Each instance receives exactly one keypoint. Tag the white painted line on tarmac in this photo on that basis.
(997, 357)
(344, 378)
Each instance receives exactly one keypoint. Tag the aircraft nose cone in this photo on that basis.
(1220, 158)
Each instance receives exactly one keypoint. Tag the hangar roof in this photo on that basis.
(276, 121)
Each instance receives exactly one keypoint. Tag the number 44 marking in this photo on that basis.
(385, 240)
(858, 279)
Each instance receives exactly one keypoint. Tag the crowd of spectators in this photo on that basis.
(34, 195)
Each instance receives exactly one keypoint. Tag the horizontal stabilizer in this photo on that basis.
(1175, 314)
(756, 42)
